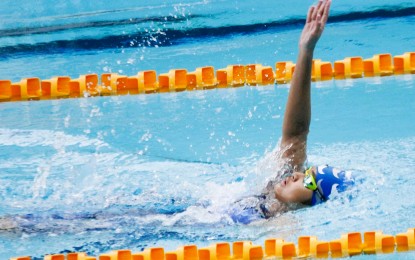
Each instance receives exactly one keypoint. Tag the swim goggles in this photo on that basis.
(310, 183)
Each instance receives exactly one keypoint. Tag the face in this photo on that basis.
(291, 189)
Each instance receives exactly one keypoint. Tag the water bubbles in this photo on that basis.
(86, 94)
(95, 112)
(66, 121)
(146, 137)
(160, 32)
(249, 114)
(222, 149)
(276, 116)
(40, 182)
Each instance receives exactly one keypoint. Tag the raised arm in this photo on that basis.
(298, 109)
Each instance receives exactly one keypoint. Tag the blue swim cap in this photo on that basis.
(330, 181)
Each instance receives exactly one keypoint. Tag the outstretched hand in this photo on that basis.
(316, 20)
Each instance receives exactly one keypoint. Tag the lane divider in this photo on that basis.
(349, 244)
(176, 80)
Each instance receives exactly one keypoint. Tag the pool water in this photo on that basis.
(132, 172)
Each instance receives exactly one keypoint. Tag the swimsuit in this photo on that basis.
(248, 209)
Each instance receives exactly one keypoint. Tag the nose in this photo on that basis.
(295, 177)
(292, 178)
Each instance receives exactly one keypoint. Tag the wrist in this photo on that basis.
(308, 48)
(306, 52)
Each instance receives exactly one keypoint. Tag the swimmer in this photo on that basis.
(298, 186)
(297, 115)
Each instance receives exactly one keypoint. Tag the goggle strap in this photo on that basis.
(320, 194)
(313, 186)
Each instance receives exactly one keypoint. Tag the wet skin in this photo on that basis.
(292, 190)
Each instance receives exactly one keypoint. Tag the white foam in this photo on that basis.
(56, 139)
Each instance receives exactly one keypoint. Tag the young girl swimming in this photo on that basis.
(295, 185)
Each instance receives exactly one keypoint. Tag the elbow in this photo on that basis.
(299, 131)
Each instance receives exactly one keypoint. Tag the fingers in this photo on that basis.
(326, 11)
(321, 6)
(321, 10)
(310, 14)
(317, 10)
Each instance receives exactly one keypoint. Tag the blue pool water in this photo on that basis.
(132, 172)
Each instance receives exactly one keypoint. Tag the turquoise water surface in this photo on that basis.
(132, 172)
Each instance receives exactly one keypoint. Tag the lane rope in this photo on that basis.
(176, 80)
(349, 244)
